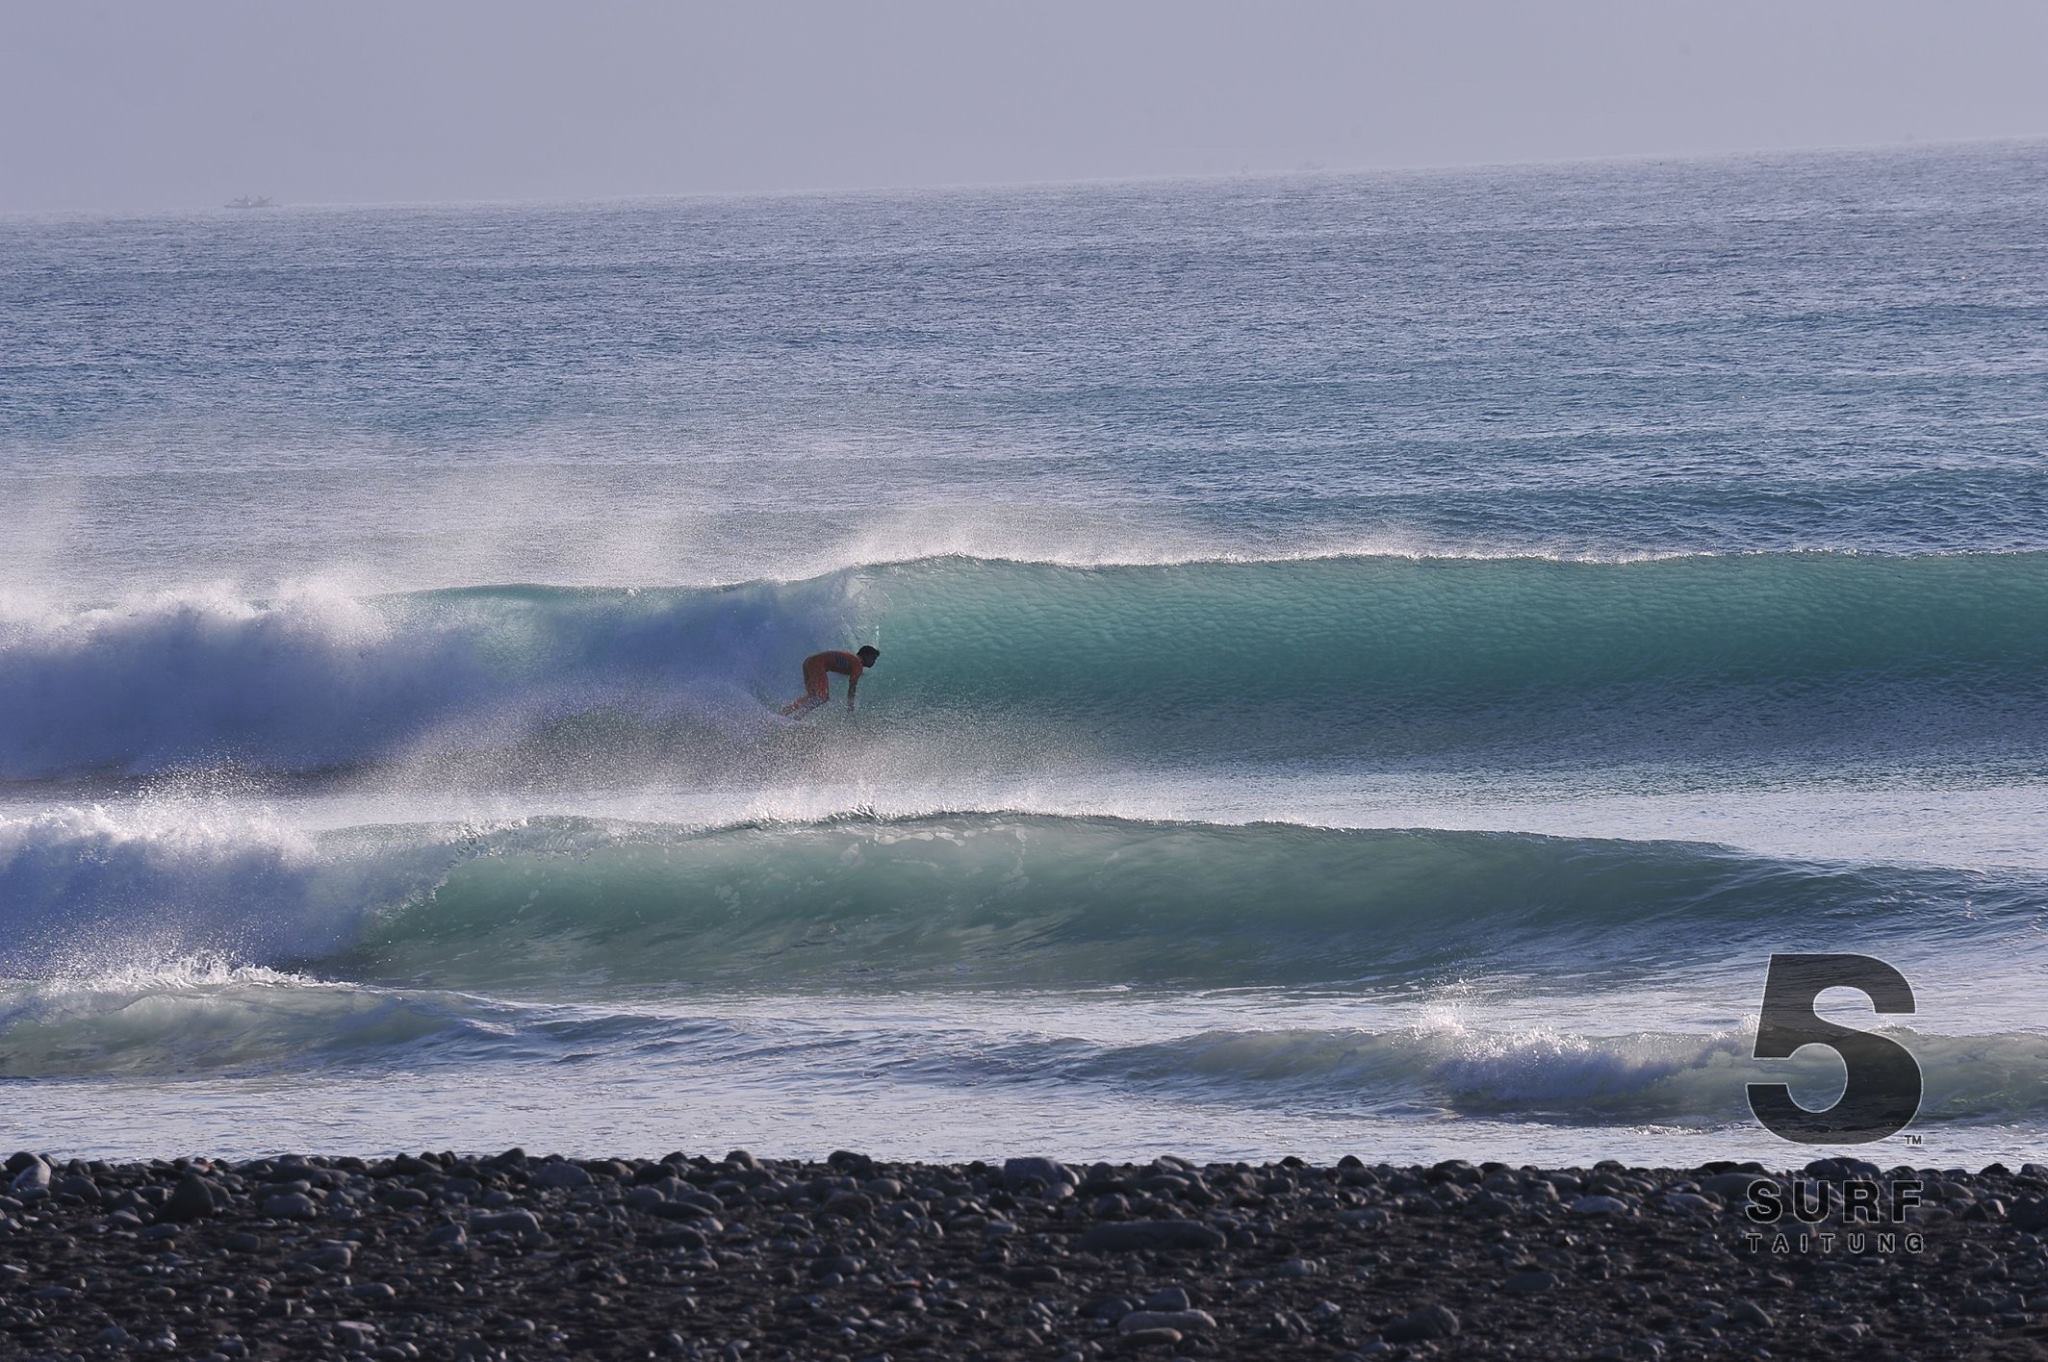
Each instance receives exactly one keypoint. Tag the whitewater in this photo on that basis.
(1370, 664)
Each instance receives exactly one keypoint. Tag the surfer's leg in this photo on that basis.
(817, 690)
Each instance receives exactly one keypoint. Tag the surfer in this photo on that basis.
(817, 677)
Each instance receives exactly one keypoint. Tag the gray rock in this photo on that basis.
(841, 1264)
(522, 1225)
(1019, 1174)
(1167, 1298)
(74, 1184)
(1533, 1283)
(194, 1198)
(561, 1174)
(1152, 1338)
(353, 1333)
(1690, 1203)
(1130, 1236)
(1600, 1205)
(35, 1176)
(2030, 1215)
(1184, 1321)
(448, 1236)
(1432, 1321)
(333, 1255)
(291, 1206)
(1748, 1314)
(1731, 1186)
(644, 1198)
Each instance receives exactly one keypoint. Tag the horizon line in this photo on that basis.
(1306, 170)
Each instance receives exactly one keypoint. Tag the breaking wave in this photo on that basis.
(945, 901)
(1385, 658)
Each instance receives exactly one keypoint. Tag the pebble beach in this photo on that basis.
(519, 1256)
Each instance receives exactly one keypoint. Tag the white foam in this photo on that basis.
(172, 892)
(317, 678)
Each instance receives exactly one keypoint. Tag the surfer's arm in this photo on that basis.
(852, 685)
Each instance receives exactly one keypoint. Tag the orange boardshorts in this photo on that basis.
(816, 682)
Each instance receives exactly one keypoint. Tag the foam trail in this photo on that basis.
(247, 1021)
(1538, 1073)
(99, 891)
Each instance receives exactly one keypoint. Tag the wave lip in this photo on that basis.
(1380, 658)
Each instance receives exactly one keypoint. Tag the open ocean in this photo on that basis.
(1370, 664)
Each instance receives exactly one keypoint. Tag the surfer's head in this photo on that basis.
(867, 654)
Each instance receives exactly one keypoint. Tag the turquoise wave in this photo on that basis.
(1383, 658)
(1010, 900)
(1329, 631)
(970, 900)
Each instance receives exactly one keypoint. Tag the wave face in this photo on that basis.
(1389, 659)
(944, 901)
(1298, 972)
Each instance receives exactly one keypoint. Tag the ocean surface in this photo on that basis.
(1370, 665)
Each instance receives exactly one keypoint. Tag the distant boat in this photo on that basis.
(260, 201)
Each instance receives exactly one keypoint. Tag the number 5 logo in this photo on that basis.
(1883, 1092)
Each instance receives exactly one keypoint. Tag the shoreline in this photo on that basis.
(516, 1256)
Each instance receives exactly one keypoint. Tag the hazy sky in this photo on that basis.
(107, 104)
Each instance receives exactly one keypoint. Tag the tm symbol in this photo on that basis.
(1914, 1141)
